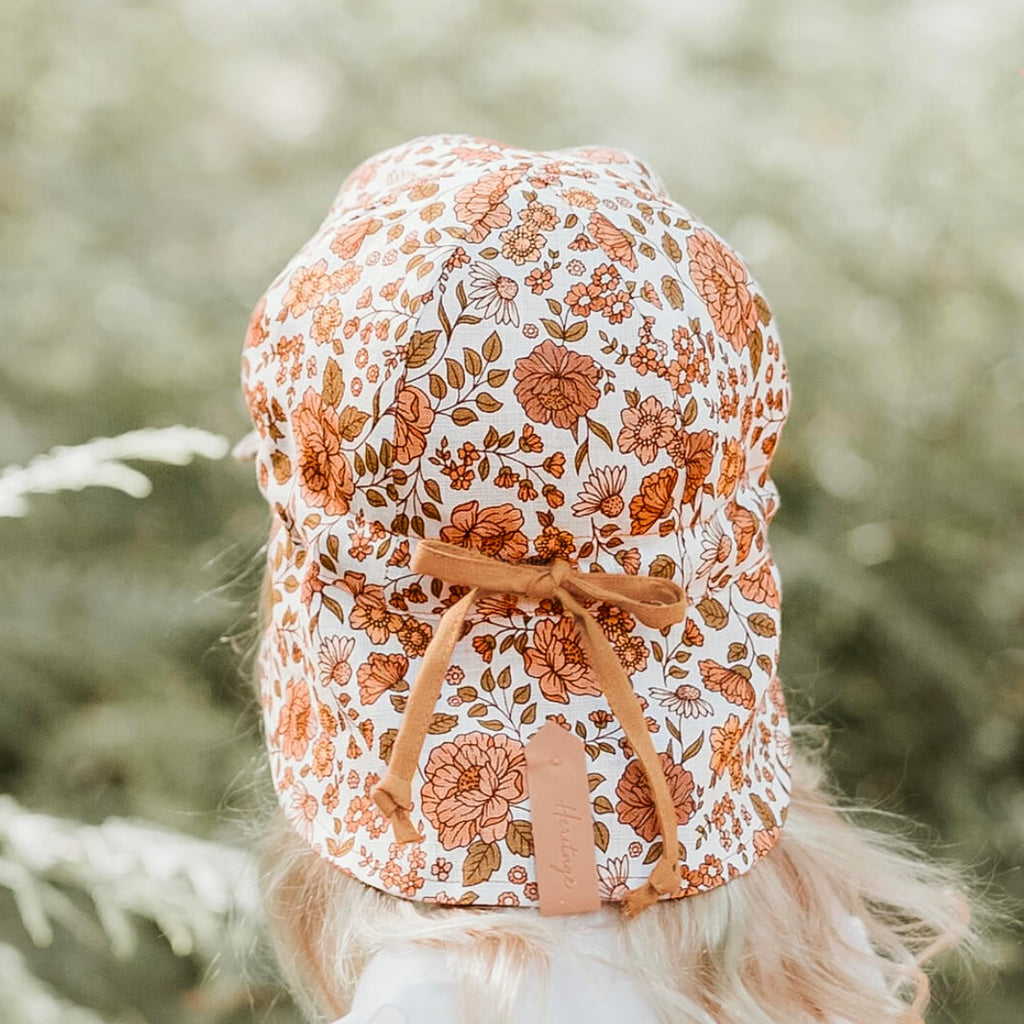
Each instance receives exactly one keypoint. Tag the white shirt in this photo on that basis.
(408, 984)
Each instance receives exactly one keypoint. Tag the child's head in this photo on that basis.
(516, 412)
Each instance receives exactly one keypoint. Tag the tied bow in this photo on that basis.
(655, 602)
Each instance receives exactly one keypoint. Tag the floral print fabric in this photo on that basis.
(535, 355)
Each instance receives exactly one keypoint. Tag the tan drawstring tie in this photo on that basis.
(655, 602)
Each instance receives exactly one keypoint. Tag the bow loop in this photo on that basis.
(655, 602)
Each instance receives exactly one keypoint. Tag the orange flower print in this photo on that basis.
(617, 245)
(371, 612)
(654, 500)
(765, 839)
(413, 418)
(331, 798)
(472, 784)
(732, 467)
(323, 757)
(721, 281)
(602, 492)
(539, 281)
(583, 299)
(726, 751)
(646, 428)
(482, 206)
(711, 872)
(617, 307)
(296, 724)
(380, 673)
(494, 530)
(636, 803)
(325, 475)
(557, 385)
(328, 721)
(760, 586)
(305, 289)
(605, 278)
(558, 660)
(696, 454)
(744, 528)
(733, 685)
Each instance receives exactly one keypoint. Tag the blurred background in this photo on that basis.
(160, 163)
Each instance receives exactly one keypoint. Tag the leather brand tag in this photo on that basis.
(563, 825)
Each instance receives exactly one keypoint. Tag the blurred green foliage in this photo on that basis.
(162, 160)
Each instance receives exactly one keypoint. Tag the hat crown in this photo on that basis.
(542, 358)
(513, 349)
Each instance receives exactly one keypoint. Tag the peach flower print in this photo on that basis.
(472, 784)
(482, 206)
(371, 612)
(558, 660)
(760, 586)
(646, 428)
(616, 243)
(305, 289)
(541, 216)
(326, 320)
(636, 803)
(521, 244)
(413, 417)
(380, 673)
(580, 197)
(325, 475)
(256, 333)
(721, 280)
(349, 238)
(295, 726)
(695, 453)
(557, 385)
(494, 530)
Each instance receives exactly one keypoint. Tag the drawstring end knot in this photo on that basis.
(665, 878)
(387, 796)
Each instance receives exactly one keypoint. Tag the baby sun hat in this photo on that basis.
(514, 416)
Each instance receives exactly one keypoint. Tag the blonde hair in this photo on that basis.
(778, 945)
